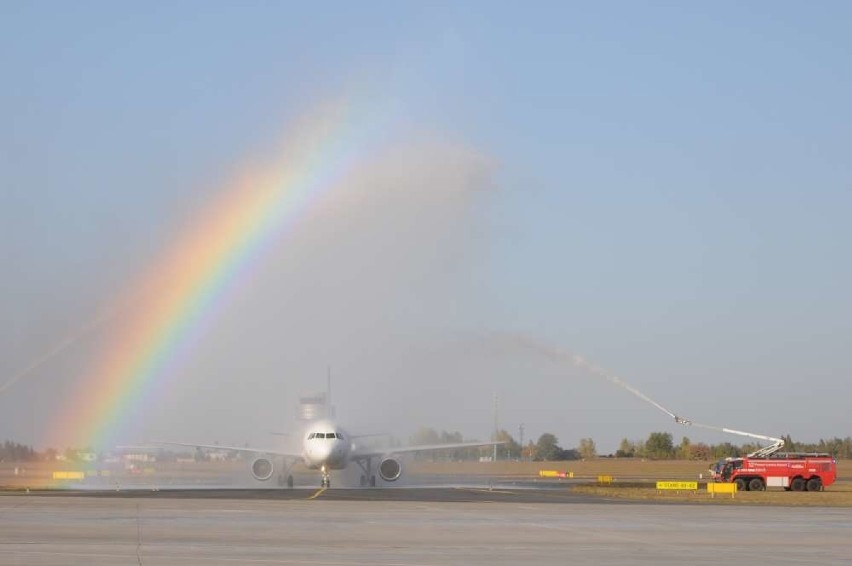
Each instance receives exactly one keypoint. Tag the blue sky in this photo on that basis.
(669, 195)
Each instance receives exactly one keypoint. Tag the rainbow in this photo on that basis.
(168, 309)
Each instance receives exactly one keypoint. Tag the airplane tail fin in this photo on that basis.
(329, 408)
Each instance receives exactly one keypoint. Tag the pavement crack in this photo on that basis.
(138, 537)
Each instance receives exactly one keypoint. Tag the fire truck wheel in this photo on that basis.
(741, 484)
(798, 484)
(814, 484)
(756, 484)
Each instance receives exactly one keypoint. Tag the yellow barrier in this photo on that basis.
(604, 480)
(714, 488)
(678, 485)
(69, 475)
(555, 474)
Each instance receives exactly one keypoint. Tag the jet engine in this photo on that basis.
(390, 469)
(262, 469)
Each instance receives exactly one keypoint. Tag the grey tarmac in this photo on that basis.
(417, 527)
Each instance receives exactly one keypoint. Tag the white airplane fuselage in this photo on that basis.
(326, 446)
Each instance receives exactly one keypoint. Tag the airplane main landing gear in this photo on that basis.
(286, 479)
(368, 476)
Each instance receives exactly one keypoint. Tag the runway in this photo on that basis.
(393, 527)
(471, 494)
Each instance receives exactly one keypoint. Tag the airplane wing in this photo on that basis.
(273, 452)
(358, 455)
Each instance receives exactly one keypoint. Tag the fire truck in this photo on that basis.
(769, 467)
(794, 471)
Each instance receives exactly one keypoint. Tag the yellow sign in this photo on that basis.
(714, 488)
(555, 474)
(678, 485)
(604, 480)
(69, 475)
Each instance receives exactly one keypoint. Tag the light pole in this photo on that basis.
(494, 456)
(521, 437)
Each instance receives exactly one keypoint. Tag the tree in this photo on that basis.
(511, 449)
(570, 454)
(626, 449)
(528, 452)
(659, 446)
(587, 449)
(14, 452)
(684, 449)
(699, 451)
(547, 448)
(724, 450)
(425, 435)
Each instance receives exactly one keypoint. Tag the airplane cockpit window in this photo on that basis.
(311, 435)
(340, 436)
(329, 435)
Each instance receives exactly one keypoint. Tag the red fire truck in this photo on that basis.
(792, 471)
(769, 467)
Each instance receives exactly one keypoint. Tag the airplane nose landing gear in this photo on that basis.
(326, 478)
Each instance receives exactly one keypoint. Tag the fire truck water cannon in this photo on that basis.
(765, 452)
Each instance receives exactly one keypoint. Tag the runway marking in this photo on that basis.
(317, 494)
(485, 490)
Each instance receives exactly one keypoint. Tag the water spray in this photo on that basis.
(578, 361)
(108, 313)
(562, 355)
(58, 348)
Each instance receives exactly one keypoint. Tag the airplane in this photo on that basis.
(325, 447)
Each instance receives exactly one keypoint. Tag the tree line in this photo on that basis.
(14, 452)
(546, 448)
(658, 446)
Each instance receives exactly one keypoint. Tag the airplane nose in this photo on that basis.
(324, 452)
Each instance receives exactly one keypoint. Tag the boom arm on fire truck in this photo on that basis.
(765, 452)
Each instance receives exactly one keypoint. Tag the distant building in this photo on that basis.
(140, 457)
